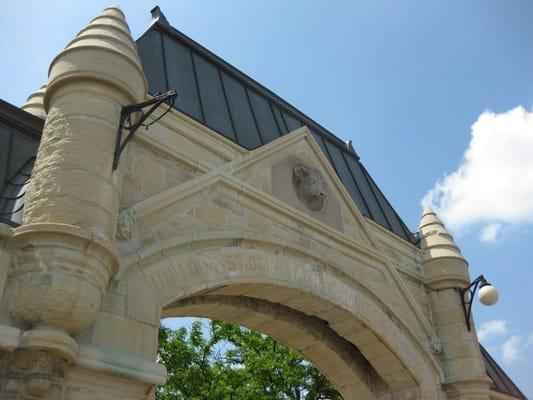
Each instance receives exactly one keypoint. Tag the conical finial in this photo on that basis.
(35, 103)
(427, 210)
(435, 238)
(104, 50)
(106, 29)
(429, 217)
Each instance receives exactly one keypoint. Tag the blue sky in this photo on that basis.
(428, 91)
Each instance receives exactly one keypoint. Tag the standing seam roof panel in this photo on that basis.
(320, 140)
(374, 208)
(152, 59)
(247, 113)
(241, 113)
(397, 225)
(342, 170)
(216, 111)
(181, 77)
(264, 116)
(20, 133)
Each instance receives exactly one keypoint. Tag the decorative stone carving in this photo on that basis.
(14, 266)
(36, 369)
(127, 225)
(435, 345)
(310, 187)
(291, 189)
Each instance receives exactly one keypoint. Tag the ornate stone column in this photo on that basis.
(445, 269)
(64, 254)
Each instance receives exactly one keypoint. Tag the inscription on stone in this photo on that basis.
(171, 277)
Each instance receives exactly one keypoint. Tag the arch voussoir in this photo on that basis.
(339, 360)
(281, 275)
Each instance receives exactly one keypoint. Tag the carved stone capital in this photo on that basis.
(35, 369)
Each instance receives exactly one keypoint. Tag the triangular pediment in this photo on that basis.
(294, 170)
(252, 116)
(243, 196)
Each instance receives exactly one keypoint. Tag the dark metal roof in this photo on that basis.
(231, 103)
(20, 134)
(501, 382)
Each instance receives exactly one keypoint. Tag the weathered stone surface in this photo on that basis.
(445, 269)
(190, 224)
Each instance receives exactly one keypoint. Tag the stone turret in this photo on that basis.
(445, 269)
(64, 254)
(35, 103)
(443, 261)
(89, 82)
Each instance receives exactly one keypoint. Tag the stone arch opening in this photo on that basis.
(246, 276)
(339, 360)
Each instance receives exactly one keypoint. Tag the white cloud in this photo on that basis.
(490, 232)
(512, 349)
(494, 184)
(490, 328)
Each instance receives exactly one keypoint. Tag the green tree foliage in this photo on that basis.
(231, 362)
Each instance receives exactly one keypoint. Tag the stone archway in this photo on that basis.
(191, 223)
(268, 286)
(340, 361)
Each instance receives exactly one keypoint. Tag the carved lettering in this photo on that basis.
(162, 276)
(166, 277)
(233, 262)
(256, 263)
(308, 276)
(193, 267)
(213, 263)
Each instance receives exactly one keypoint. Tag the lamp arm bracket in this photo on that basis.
(467, 304)
(125, 122)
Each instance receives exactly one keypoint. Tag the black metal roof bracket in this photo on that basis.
(126, 119)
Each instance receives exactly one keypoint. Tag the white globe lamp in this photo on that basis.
(488, 295)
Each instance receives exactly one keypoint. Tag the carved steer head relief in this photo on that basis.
(310, 187)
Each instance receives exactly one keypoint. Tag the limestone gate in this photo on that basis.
(233, 205)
